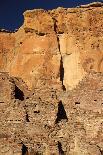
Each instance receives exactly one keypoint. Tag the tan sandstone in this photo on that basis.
(51, 83)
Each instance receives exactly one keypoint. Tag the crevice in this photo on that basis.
(62, 73)
(61, 61)
(55, 25)
(18, 94)
(24, 150)
(55, 29)
(61, 113)
(61, 152)
(58, 44)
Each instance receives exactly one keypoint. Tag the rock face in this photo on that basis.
(51, 78)
(72, 37)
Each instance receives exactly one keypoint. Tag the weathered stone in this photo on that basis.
(51, 83)
(48, 36)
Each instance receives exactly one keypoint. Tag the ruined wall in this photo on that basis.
(51, 83)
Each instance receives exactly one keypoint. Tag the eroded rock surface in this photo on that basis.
(51, 83)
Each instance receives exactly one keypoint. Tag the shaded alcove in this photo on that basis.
(61, 113)
(18, 93)
(24, 150)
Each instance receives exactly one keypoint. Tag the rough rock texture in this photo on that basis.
(51, 83)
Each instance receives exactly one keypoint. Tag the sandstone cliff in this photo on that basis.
(51, 78)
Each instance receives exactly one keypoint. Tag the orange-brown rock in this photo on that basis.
(37, 60)
(51, 83)
(75, 35)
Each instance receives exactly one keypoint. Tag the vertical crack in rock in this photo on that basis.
(24, 150)
(62, 73)
(61, 113)
(18, 93)
(61, 152)
(61, 61)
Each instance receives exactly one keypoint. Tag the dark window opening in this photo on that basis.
(61, 113)
(95, 100)
(55, 29)
(27, 117)
(24, 150)
(18, 94)
(36, 111)
(61, 152)
(77, 102)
